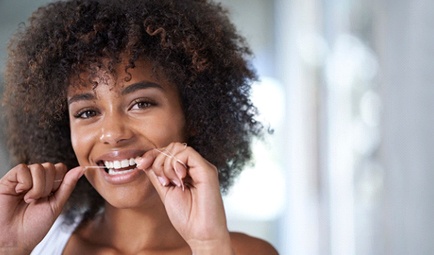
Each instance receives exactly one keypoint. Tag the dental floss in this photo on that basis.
(167, 154)
(171, 156)
(86, 167)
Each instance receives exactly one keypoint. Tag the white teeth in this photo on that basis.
(117, 164)
(114, 172)
(125, 163)
(108, 164)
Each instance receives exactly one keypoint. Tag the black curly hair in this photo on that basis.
(192, 42)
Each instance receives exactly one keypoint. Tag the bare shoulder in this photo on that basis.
(247, 245)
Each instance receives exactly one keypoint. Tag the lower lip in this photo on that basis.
(127, 177)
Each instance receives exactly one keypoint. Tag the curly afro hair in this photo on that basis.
(192, 42)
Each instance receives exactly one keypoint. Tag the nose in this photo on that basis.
(114, 131)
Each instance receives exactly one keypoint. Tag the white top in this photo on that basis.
(55, 241)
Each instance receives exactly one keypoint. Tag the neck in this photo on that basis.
(133, 230)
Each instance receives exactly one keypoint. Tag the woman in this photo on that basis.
(149, 101)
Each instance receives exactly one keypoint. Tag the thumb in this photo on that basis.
(158, 183)
(66, 187)
(145, 164)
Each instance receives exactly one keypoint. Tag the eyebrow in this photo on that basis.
(140, 85)
(80, 97)
(127, 90)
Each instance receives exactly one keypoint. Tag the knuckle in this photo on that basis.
(22, 169)
(36, 167)
(60, 166)
(22, 166)
(157, 168)
(48, 165)
(214, 169)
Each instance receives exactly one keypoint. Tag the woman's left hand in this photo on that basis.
(189, 187)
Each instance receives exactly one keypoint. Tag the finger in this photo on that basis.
(173, 161)
(158, 167)
(38, 179)
(146, 163)
(169, 170)
(158, 183)
(22, 177)
(50, 173)
(180, 170)
(60, 171)
(178, 165)
(66, 187)
(146, 160)
(166, 167)
(195, 169)
(16, 181)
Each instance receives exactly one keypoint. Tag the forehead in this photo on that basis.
(118, 77)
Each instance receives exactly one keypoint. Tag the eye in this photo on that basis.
(85, 114)
(141, 104)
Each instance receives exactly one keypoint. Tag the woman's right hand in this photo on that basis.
(31, 198)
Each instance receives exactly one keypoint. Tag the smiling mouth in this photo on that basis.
(118, 166)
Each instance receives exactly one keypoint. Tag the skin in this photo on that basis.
(172, 194)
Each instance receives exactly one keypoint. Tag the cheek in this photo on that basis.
(171, 128)
(181, 128)
(80, 143)
(75, 141)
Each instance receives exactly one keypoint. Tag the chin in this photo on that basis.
(129, 198)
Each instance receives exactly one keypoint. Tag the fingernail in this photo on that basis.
(29, 200)
(138, 160)
(178, 173)
(177, 183)
(182, 163)
(162, 181)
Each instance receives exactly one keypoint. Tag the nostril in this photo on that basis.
(114, 133)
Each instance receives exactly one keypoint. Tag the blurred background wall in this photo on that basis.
(347, 86)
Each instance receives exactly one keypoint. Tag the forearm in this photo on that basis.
(6, 249)
(10, 246)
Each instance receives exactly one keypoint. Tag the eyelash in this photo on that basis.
(140, 103)
(89, 112)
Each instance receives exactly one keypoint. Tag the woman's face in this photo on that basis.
(118, 121)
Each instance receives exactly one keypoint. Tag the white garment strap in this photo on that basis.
(55, 241)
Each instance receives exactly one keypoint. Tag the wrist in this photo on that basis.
(212, 247)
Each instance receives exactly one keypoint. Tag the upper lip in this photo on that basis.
(120, 155)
